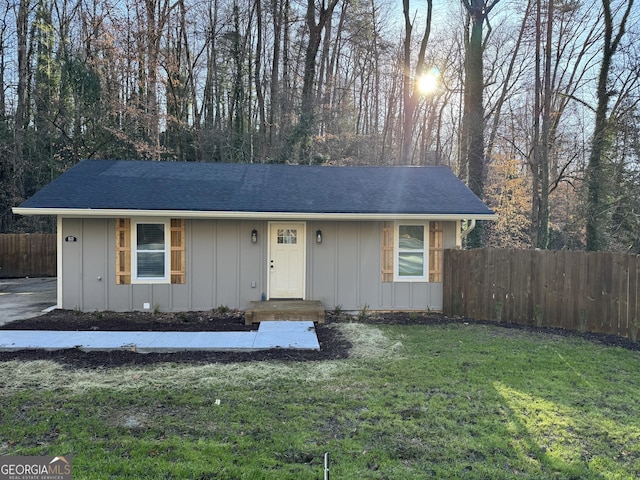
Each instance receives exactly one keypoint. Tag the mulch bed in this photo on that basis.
(333, 345)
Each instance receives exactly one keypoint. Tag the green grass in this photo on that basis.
(455, 401)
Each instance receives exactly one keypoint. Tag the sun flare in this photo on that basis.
(428, 82)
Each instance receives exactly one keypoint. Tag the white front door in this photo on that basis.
(286, 260)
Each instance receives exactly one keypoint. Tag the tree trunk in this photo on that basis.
(237, 116)
(274, 90)
(286, 97)
(330, 84)
(262, 128)
(473, 113)
(157, 12)
(410, 94)
(22, 104)
(535, 147)
(545, 151)
(3, 62)
(596, 228)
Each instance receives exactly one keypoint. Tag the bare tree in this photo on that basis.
(257, 78)
(301, 136)
(156, 16)
(4, 26)
(12, 129)
(22, 102)
(541, 144)
(597, 208)
(549, 64)
(277, 14)
(410, 93)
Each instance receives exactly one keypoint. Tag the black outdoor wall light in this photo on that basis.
(254, 236)
(318, 236)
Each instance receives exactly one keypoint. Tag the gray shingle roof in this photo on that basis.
(260, 188)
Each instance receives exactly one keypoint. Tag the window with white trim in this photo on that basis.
(129, 250)
(412, 252)
(151, 252)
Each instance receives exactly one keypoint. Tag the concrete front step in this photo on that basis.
(279, 310)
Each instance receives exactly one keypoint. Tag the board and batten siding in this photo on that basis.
(224, 268)
(345, 270)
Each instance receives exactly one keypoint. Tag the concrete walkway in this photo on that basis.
(300, 335)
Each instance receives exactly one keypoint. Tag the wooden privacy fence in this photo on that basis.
(28, 255)
(584, 291)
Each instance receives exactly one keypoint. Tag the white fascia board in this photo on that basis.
(118, 213)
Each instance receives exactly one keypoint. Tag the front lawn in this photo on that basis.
(448, 401)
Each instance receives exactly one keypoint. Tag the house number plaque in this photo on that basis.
(70, 238)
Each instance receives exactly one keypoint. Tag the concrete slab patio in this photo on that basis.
(300, 335)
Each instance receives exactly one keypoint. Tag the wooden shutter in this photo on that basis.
(123, 251)
(387, 252)
(178, 252)
(435, 251)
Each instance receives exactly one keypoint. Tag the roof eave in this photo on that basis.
(117, 213)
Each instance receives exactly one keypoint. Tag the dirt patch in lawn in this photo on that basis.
(334, 344)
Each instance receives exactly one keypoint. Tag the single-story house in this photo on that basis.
(179, 236)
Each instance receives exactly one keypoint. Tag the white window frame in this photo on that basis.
(166, 278)
(397, 251)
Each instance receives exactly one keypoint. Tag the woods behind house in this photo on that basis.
(534, 104)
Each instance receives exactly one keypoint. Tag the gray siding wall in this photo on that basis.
(224, 268)
(345, 270)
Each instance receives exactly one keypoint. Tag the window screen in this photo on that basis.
(411, 251)
(150, 250)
